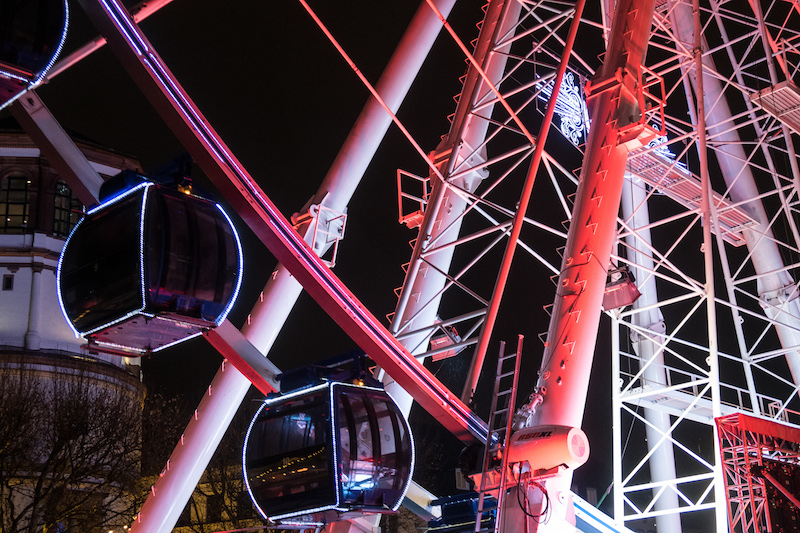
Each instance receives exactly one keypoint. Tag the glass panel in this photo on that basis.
(67, 210)
(358, 454)
(288, 459)
(193, 256)
(18, 196)
(14, 191)
(100, 273)
(375, 449)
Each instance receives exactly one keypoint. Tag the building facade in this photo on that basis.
(59, 392)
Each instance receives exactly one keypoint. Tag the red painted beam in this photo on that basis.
(234, 182)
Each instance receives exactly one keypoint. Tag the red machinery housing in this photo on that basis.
(761, 459)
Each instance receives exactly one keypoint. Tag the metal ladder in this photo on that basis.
(501, 417)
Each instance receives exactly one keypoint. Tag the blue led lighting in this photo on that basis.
(268, 403)
(145, 190)
(574, 115)
(7, 74)
(307, 511)
(58, 280)
(146, 187)
(295, 394)
(304, 524)
(141, 260)
(141, 247)
(244, 462)
(239, 274)
(32, 84)
(335, 506)
(335, 443)
(60, 45)
(122, 347)
(660, 147)
(121, 196)
(413, 461)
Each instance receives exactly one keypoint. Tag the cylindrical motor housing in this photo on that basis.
(548, 447)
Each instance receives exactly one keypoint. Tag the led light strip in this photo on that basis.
(239, 274)
(32, 84)
(334, 421)
(92, 211)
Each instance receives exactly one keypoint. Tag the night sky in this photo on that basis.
(283, 100)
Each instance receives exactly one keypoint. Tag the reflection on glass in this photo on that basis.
(192, 256)
(100, 271)
(374, 446)
(288, 456)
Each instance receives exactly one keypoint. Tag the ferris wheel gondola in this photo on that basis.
(151, 266)
(328, 452)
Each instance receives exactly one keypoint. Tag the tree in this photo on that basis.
(70, 448)
(220, 500)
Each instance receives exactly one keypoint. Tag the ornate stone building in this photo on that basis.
(37, 212)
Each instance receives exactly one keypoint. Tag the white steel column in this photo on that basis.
(775, 286)
(709, 215)
(618, 125)
(648, 343)
(186, 465)
(427, 272)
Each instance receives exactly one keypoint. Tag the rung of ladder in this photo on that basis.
(499, 436)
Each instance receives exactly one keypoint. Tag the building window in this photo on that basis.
(68, 210)
(14, 203)
(8, 282)
(214, 507)
(244, 505)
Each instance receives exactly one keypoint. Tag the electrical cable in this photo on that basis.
(545, 515)
(522, 499)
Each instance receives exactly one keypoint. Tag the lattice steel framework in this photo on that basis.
(672, 377)
(746, 445)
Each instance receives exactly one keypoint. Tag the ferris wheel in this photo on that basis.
(642, 155)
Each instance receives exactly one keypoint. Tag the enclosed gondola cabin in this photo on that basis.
(327, 453)
(149, 267)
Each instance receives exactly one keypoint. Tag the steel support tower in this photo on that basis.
(708, 226)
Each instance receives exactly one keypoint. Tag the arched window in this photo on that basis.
(15, 192)
(68, 210)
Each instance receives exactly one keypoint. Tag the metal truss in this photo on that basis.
(679, 365)
(484, 160)
(747, 444)
(679, 361)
